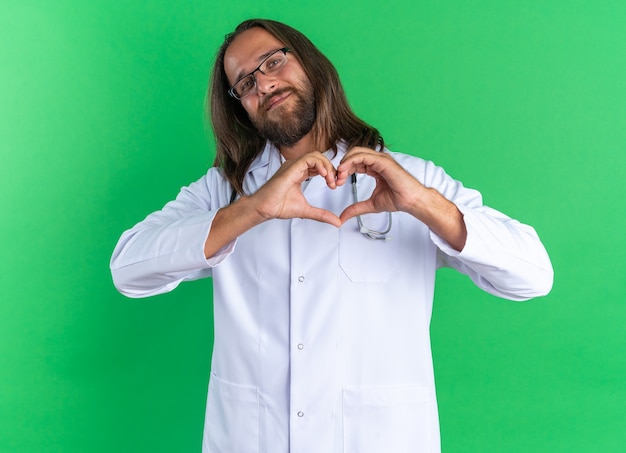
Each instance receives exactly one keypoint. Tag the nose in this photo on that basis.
(265, 83)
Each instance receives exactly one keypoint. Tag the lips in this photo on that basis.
(276, 99)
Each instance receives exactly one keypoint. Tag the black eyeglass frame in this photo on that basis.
(232, 91)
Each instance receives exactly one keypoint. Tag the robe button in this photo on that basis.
(301, 346)
(300, 414)
(301, 278)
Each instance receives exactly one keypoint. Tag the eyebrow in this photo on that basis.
(259, 59)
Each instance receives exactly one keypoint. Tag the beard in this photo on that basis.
(287, 127)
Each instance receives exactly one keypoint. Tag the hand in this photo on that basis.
(397, 190)
(281, 197)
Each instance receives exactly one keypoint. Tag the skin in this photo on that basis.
(281, 197)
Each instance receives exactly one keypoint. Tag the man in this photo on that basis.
(323, 248)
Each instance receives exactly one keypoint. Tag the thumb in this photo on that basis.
(359, 208)
(322, 215)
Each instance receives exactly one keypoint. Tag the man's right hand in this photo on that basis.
(280, 198)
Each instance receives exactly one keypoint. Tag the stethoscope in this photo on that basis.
(372, 234)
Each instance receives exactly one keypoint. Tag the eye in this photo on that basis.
(246, 85)
(274, 63)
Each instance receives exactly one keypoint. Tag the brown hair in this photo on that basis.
(238, 142)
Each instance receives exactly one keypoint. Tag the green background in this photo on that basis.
(101, 122)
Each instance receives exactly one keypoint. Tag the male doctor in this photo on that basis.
(323, 246)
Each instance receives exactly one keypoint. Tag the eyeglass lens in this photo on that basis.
(272, 64)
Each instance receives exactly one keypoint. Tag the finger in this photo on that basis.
(322, 215)
(359, 208)
(319, 164)
(344, 171)
(359, 154)
(358, 160)
(362, 161)
(348, 169)
(309, 165)
(358, 150)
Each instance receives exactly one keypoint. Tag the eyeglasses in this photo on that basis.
(372, 234)
(273, 63)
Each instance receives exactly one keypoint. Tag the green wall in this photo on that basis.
(101, 122)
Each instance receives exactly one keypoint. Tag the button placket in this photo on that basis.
(309, 387)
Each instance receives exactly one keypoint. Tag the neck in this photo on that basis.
(305, 145)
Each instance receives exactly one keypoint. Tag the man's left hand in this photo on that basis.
(397, 190)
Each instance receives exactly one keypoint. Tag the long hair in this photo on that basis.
(237, 140)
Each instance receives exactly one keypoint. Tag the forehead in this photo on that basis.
(248, 50)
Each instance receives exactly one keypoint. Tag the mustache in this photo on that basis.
(268, 97)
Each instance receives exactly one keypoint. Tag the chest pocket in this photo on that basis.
(369, 260)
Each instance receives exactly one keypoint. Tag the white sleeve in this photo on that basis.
(167, 247)
(501, 255)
